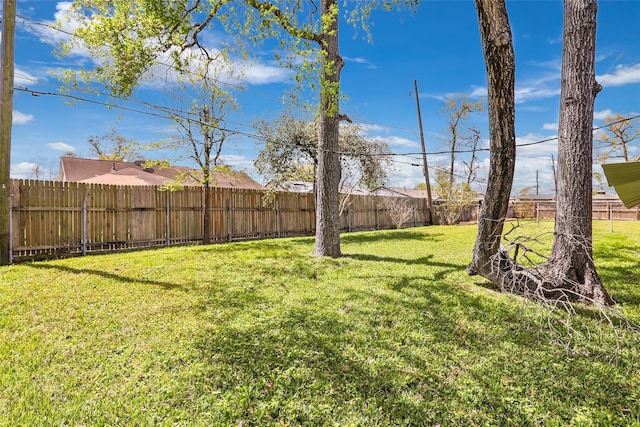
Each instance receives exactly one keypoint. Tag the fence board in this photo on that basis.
(47, 217)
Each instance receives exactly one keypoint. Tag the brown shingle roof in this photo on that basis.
(128, 176)
(75, 169)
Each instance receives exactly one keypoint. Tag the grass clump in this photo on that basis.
(260, 333)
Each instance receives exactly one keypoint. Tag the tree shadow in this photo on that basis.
(103, 274)
(620, 281)
(276, 365)
(390, 235)
(285, 363)
(444, 268)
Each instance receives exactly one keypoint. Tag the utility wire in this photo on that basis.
(29, 21)
(261, 138)
(180, 114)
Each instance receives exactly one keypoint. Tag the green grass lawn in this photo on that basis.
(259, 334)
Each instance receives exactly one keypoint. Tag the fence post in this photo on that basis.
(414, 217)
(348, 218)
(229, 221)
(84, 227)
(377, 224)
(537, 213)
(610, 217)
(168, 219)
(278, 218)
(11, 225)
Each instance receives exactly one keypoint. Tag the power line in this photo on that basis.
(120, 107)
(29, 21)
(261, 138)
(181, 114)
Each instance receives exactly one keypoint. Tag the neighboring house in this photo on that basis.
(307, 187)
(291, 186)
(404, 192)
(75, 169)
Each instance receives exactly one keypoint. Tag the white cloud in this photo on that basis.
(61, 146)
(525, 174)
(263, 73)
(478, 92)
(540, 146)
(59, 29)
(21, 118)
(369, 128)
(407, 172)
(550, 126)
(622, 75)
(544, 86)
(257, 73)
(23, 78)
(533, 92)
(23, 170)
(236, 161)
(362, 61)
(601, 115)
(396, 141)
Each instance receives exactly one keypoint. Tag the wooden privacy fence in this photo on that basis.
(56, 219)
(601, 210)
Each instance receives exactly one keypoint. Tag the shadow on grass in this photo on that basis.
(103, 274)
(275, 244)
(444, 268)
(389, 235)
(302, 368)
(621, 281)
(403, 358)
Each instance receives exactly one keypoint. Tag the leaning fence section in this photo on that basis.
(53, 219)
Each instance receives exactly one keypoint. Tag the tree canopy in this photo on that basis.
(129, 37)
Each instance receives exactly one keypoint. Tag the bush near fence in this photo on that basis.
(57, 219)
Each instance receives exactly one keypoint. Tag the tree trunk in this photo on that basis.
(328, 175)
(206, 201)
(206, 216)
(571, 258)
(497, 46)
(569, 274)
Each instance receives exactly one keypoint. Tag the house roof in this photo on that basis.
(234, 180)
(411, 192)
(75, 169)
(404, 192)
(292, 186)
(128, 176)
(625, 178)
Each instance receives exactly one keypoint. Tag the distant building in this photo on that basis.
(291, 186)
(93, 171)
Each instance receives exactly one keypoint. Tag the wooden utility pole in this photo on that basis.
(424, 157)
(6, 117)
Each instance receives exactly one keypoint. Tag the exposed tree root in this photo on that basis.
(572, 278)
(546, 283)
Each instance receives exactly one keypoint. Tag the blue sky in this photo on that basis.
(438, 46)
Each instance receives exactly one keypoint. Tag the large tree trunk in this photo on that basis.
(328, 175)
(206, 214)
(570, 273)
(497, 46)
(571, 260)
